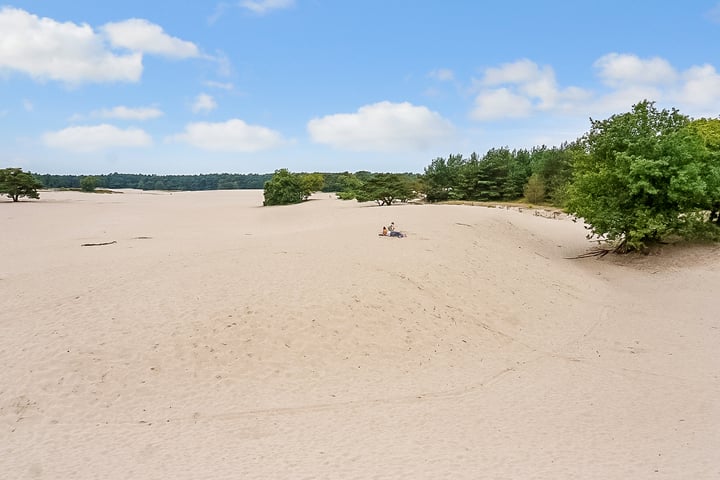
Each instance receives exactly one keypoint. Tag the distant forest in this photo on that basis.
(211, 181)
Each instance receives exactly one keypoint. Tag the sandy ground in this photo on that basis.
(219, 339)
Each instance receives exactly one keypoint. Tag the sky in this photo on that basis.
(251, 86)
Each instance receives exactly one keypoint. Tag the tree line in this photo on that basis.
(211, 181)
(635, 178)
(332, 181)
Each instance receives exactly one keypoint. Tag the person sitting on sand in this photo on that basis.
(391, 233)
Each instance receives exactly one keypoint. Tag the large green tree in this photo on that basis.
(554, 167)
(350, 184)
(283, 188)
(311, 182)
(441, 177)
(708, 130)
(15, 184)
(646, 175)
(385, 188)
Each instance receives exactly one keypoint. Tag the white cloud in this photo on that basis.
(521, 88)
(442, 74)
(519, 72)
(127, 113)
(46, 49)
(621, 100)
(381, 126)
(695, 91)
(526, 78)
(264, 6)
(219, 12)
(501, 103)
(28, 105)
(121, 112)
(230, 136)
(96, 137)
(220, 85)
(618, 70)
(701, 90)
(203, 103)
(139, 35)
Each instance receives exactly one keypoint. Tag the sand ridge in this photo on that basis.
(220, 339)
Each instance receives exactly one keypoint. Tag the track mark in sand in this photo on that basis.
(413, 282)
(500, 334)
(602, 317)
(198, 417)
(505, 336)
(468, 388)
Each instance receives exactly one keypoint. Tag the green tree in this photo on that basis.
(311, 182)
(535, 189)
(494, 170)
(705, 177)
(350, 185)
(708, 129)
(646, 175)
(15, 184)
(441, 177)
(554, 166)
(88, 184)
(519, 173)
(283, 188)
(385, 188)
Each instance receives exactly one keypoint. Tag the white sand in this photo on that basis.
(292, 342)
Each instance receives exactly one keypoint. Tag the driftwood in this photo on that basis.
(97, 244)
(597, 252)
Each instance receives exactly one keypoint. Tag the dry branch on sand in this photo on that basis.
(97, 244)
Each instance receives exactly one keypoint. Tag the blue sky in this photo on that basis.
(250, 86)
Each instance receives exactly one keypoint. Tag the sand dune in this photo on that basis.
(219, 339)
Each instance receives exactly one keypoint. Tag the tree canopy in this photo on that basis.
(310, 183)
(647, 174)
(385, 188)
(88, 184)
(382, 188)
(285, 187)
(15, 184)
